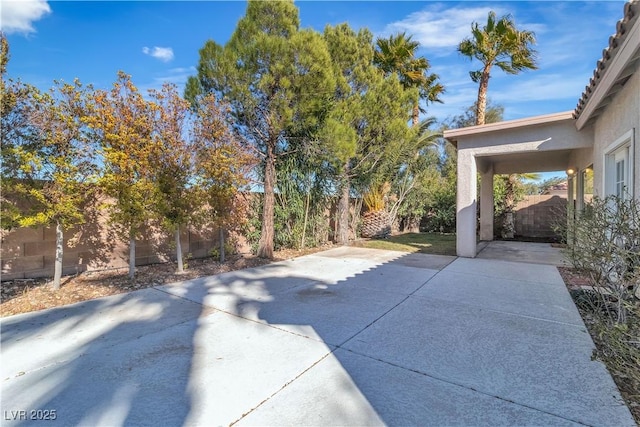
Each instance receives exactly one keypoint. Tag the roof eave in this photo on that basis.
(452, 135)
(622, 52)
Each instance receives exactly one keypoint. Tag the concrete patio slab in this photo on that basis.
(33, 340)
(417, 260)
(354, 252)
(534, 363)
(346, 390)
(208, 371)
(365, 337)
(507, 270)
(320, 310)
(528, 252)
(541, 300)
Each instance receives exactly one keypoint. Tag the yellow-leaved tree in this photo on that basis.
(57, 162)
(222, 165)
(178, 202)
(125, 123)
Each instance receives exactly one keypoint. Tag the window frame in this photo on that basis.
(623, 146)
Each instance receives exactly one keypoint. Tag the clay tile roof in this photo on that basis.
(631, 13)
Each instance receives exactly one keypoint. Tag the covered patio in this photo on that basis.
(535, 144)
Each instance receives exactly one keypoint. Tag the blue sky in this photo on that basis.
(158, 41)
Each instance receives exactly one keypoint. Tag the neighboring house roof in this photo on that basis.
(558, 189)
(619, 61)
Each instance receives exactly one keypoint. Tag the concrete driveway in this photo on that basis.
(344, 337)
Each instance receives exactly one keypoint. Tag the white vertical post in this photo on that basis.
(466, 208)
(486, 204)
(570, 208)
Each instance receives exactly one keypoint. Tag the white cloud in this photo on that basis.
(437, 27)
(164, 54)
(18, 16)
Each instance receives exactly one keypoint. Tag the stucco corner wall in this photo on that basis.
(620, 116)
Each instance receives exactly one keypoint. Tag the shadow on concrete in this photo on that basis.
(346, 337)
(122, 360)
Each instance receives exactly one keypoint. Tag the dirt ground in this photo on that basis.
(617, 347)
(25, 295)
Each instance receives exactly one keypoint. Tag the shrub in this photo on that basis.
(441, 211)
(604, 242)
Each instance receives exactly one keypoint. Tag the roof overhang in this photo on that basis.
(453, 135)
(619, 61)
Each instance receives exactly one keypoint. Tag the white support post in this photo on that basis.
(571, 196)
(486, 205)
(466, 209)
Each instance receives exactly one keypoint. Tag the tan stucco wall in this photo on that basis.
(621, 115)
(559, 135)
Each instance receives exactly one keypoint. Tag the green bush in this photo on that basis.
(604, 242)
(441, 211)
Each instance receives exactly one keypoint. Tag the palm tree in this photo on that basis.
(397, 55)
(501, 44)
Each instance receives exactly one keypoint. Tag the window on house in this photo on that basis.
(587, 184)
(618, 167)
(621, 181)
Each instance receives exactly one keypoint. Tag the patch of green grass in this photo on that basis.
(425, 243)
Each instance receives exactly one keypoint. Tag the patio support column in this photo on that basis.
(570, 207)
(579, 183)
(466, 207)
(486, 204)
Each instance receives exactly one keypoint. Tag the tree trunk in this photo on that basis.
(221, 238)
(132, 254)
(415, 116)
(179, 250)
(265, 245)
(481, 105)
(57, 269)
(343, 213)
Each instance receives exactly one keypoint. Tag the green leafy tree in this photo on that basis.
(60, 165)
(413, 174)
(497, 43)
(494, 113)
(508, 191)
(18, 139)
(367, 119)
(397, 55)
(275, 78)
(125, 123)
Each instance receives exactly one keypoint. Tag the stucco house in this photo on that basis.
(597, 143)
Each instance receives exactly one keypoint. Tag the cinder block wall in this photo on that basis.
(30, 253)
(536, 215)
(96, 245)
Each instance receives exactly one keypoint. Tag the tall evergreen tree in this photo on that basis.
(367, 119)
(498, 43)
(275, 78)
